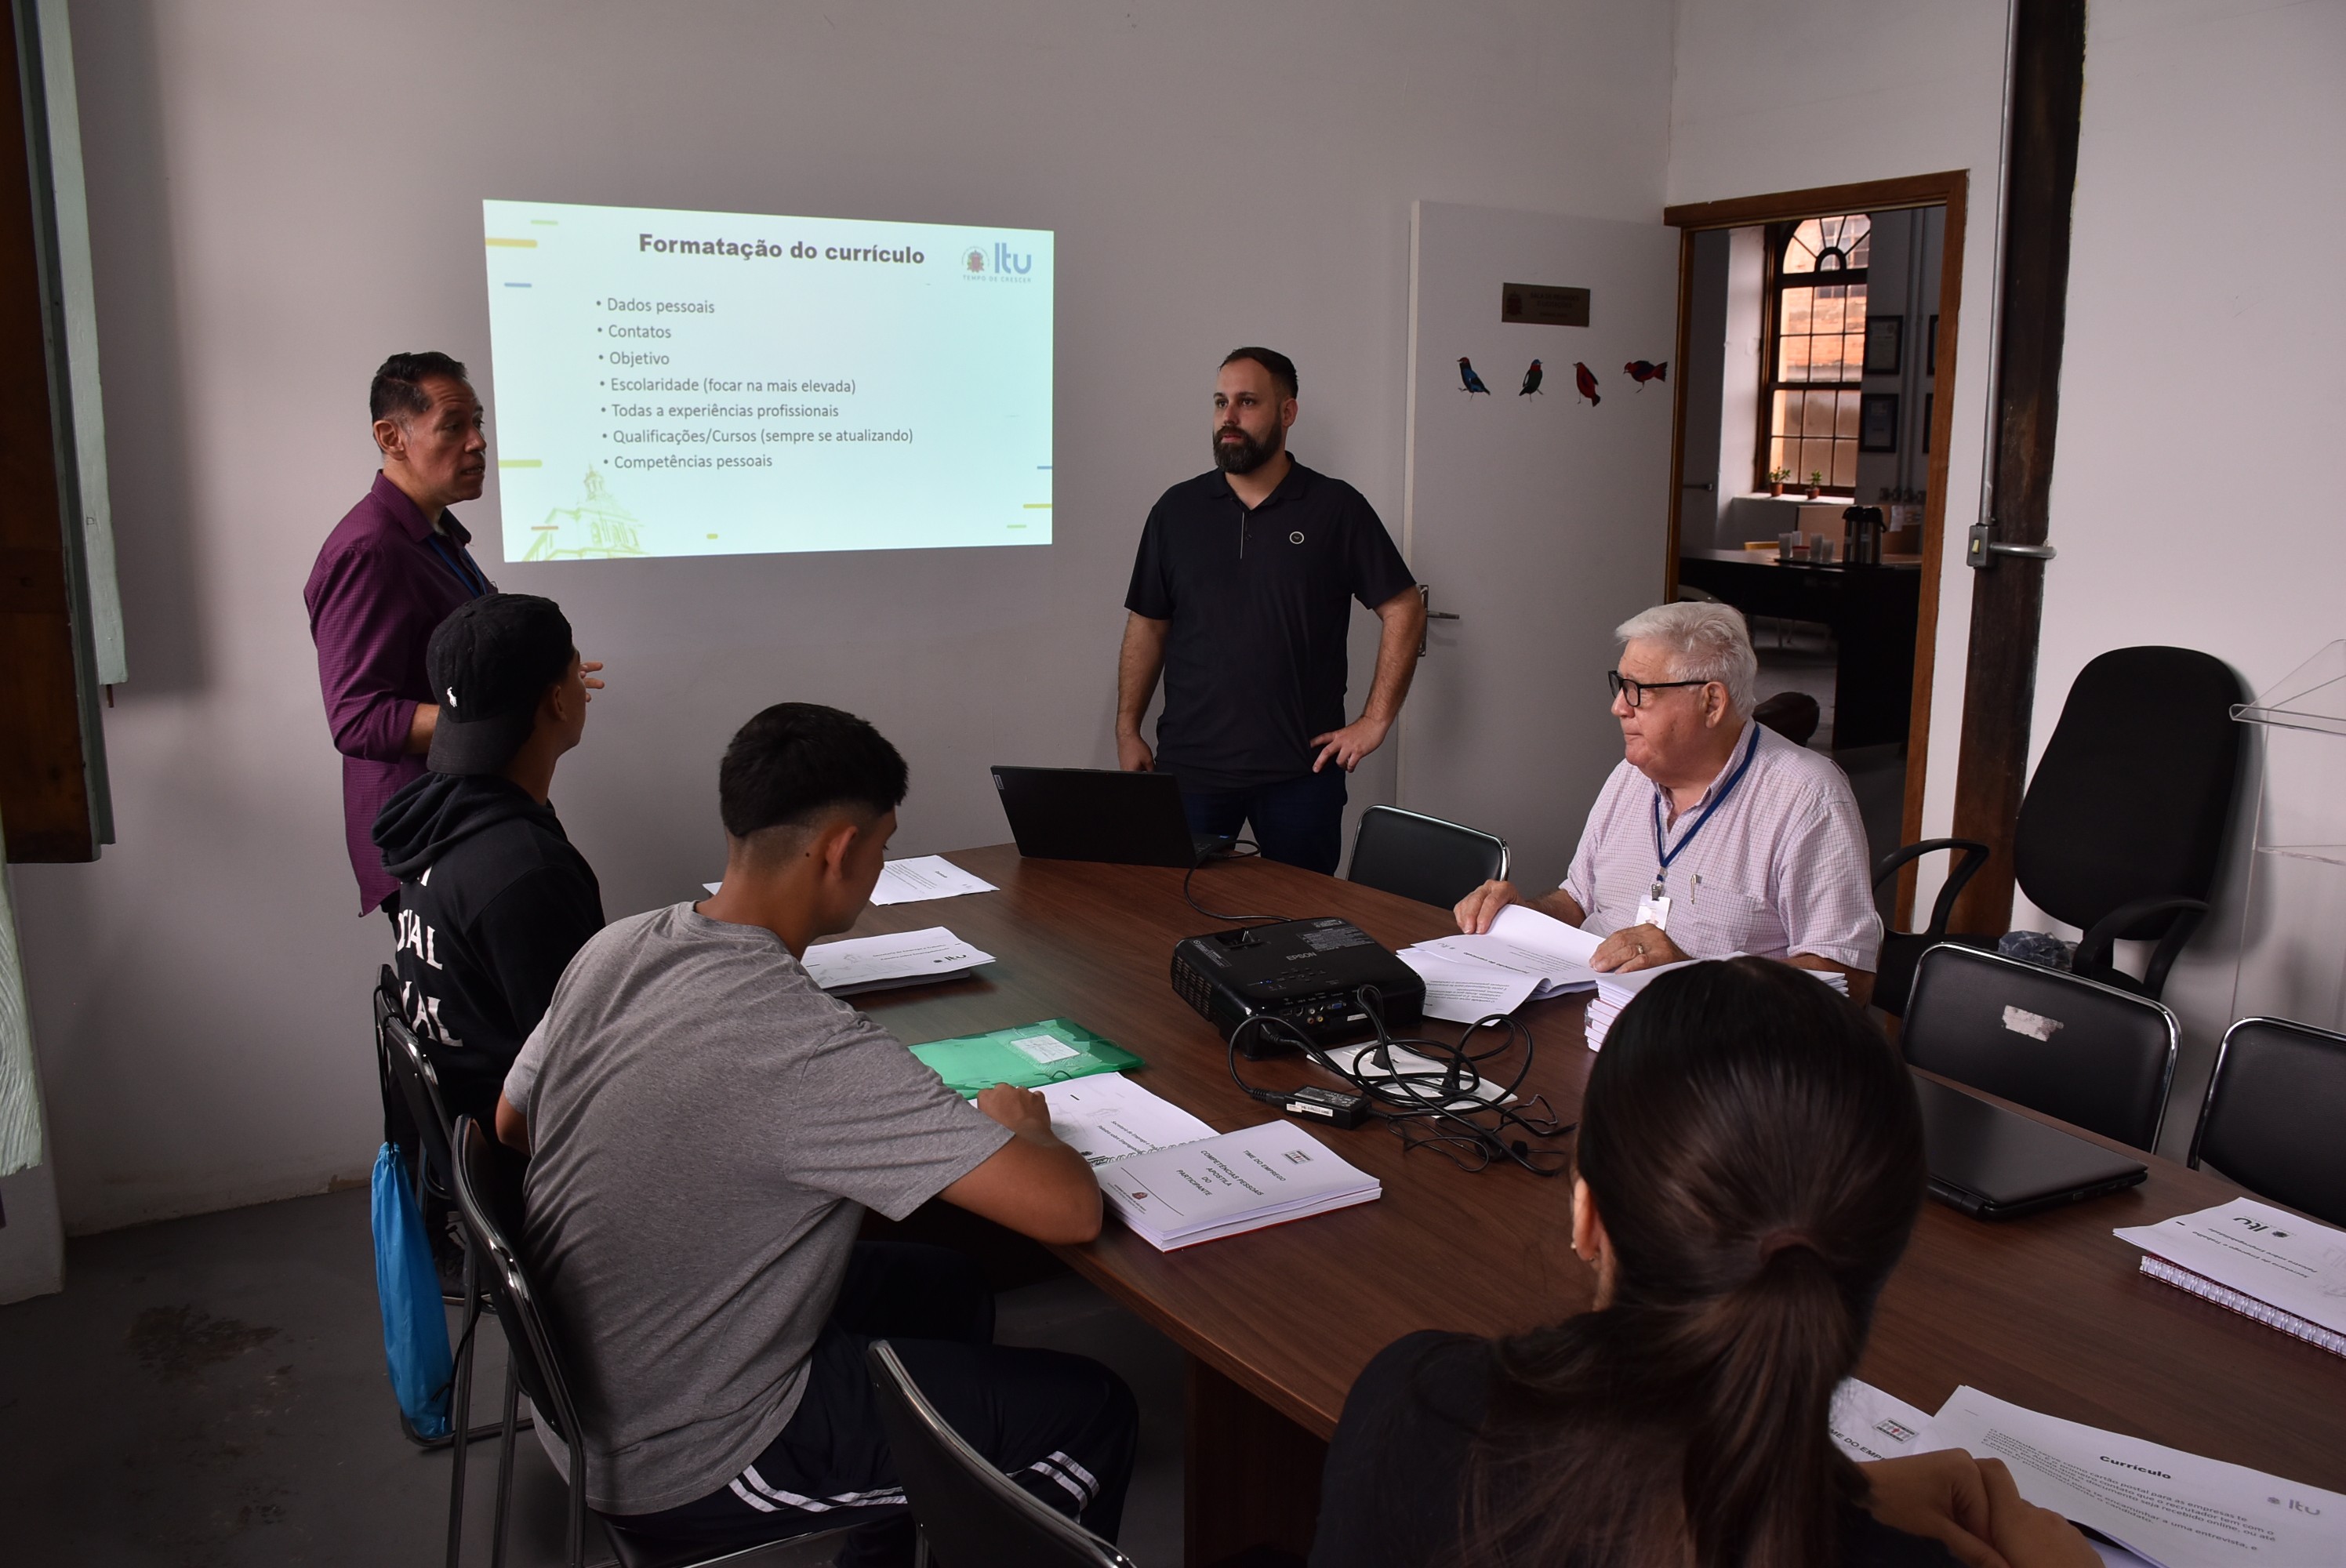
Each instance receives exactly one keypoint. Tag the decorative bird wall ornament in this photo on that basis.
(1468, 379)
(1531, 381)
(1644, 370)
(1585, 379)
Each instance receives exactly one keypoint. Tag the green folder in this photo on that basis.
(1028, 1056)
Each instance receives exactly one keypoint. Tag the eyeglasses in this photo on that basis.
(1633, 692)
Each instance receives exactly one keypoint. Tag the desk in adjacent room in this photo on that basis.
(2050, 1312)
(1873, 612)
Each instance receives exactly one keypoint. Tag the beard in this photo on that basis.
(1245, 454)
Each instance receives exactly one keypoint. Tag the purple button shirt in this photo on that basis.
(380, 585)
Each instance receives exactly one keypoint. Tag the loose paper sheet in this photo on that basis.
(2177, 1509)
(1108, 1116)
(1465, 992)
(898, 958)
(1869, 1424)
(924, 877)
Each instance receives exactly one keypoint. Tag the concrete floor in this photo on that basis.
(210, 1393)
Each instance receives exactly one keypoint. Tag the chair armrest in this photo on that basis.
(2094, 947)
(1974, 855)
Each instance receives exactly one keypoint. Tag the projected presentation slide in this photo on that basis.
(713, 383)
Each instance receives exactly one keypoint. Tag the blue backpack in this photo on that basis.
(415, 1324)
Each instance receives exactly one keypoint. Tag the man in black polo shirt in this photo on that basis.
(1239, 599)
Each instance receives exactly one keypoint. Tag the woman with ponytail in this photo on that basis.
(1748, 1170)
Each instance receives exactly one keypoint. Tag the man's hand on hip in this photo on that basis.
(1350, 744)
(1132, 755)
(1633, 948)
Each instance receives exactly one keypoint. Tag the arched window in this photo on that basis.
(1817, 348)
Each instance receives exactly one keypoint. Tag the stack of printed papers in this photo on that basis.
(2285, 1272)
(1106, 1117)
(903, 958)
(1229, 1184)
(1524, 956)
(1615, 991)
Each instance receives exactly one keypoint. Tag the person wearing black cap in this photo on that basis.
(494, 899)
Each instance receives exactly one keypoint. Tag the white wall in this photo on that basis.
(1787, 95)
(2204, 328)
(282, 192)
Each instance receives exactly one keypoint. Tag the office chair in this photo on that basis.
(1794, 715)
(2272, 1114)
(1423, 858)
(2123, 822)
(488, 1197)
(969, 1512)
(2092, 1054)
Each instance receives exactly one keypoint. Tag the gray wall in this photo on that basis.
(282, 192)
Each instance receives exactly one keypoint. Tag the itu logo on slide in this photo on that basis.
(1000, 264)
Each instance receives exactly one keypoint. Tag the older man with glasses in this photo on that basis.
(1715, 835)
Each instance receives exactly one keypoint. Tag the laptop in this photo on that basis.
(1993, 1163)
(1101, 814)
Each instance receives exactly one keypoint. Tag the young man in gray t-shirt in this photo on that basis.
(709, 1127)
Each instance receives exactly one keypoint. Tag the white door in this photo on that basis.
(1541, 522)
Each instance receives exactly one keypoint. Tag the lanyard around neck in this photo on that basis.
(1666, 856)
(473, 587)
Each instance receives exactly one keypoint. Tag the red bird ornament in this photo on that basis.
(1644, 370)
(1585, 379)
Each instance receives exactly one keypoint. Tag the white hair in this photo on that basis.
(1706, 642)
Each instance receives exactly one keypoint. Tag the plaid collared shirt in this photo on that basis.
(1780, 868)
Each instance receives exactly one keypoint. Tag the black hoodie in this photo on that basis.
(493, 903)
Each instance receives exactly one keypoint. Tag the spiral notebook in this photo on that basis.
(2280, 1268)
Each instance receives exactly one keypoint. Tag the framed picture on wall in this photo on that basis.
(1884, 336)
(1877, 420)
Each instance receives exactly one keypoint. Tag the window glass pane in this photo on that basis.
(1845, 416)
(1793, 361)
(1818, 419)
(1797, 301)
(1816, 457)
(1844, 468)
(1776, 452)
(1826, 314)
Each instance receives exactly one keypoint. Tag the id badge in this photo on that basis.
(1654, 912)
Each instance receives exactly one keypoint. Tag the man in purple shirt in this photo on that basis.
(390, 572)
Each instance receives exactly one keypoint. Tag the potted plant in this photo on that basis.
(1816, 483)
(1775, 478)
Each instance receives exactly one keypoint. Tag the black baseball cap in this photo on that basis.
(489, 662)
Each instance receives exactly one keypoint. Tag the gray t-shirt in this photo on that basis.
(708, 1129)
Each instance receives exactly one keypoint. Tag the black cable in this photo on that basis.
(1420, 1107)
(1253, 850)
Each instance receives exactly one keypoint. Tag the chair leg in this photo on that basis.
(920, 1548)
(504, 1471)
(460, 1425)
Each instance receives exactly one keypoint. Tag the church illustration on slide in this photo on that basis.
(600, 527)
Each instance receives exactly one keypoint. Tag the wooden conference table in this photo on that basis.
(2050, 1311)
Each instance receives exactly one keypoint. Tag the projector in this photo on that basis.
(1307, 972)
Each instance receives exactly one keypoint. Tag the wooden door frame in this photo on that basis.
(1949, 190)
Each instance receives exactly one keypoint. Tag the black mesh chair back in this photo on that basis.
(2130, 804)
(1423, 858)
(970, 1513)
(2273, 1114)
(2092, 1054)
